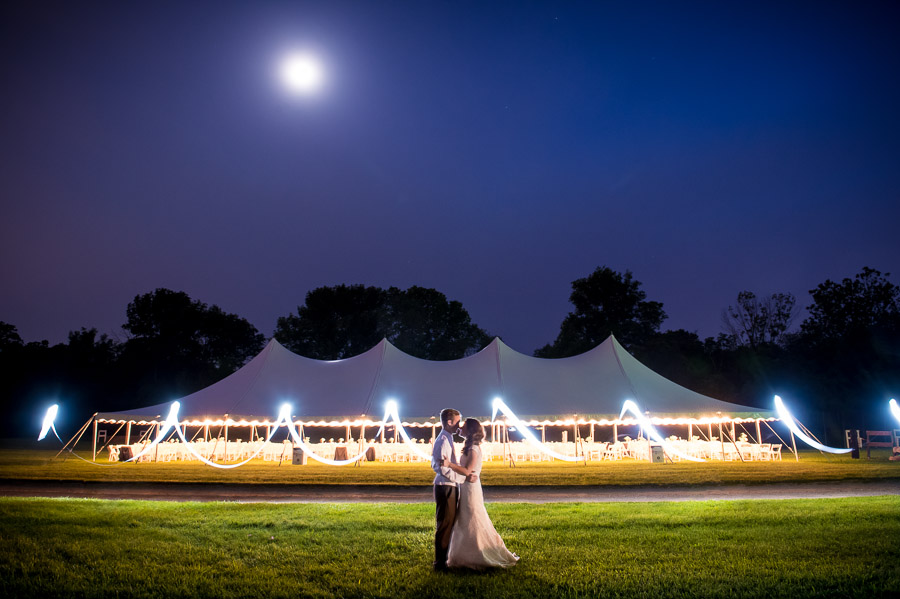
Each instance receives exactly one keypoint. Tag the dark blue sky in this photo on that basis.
(494, 151)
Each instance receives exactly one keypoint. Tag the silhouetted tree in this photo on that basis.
(606, 302)
(9, 337)
(343, 321)
(866, 303)
(423, 323)
(849, 348)
(178, 345)
(334, 322)
(754, 322)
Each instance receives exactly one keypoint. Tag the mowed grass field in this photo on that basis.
(812, 467)
(788, 548)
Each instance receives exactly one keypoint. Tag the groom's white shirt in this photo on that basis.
(443, 448)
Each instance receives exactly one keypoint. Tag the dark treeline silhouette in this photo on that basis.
(837, 369)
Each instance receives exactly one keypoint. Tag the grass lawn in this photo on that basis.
(788, 548)
(813, 466)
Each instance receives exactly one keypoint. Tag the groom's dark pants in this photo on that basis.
(445, 498)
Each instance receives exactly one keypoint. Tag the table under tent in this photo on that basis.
(551, 408)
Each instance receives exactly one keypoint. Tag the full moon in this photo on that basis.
(301, 73)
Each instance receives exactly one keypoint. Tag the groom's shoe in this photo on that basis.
(439, 567)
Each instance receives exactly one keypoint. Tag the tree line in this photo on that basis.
(838, 367)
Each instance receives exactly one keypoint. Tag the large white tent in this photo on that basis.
(594, 383)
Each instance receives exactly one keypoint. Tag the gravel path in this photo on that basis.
(419, 494)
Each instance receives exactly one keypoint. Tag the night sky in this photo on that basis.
(494, 151)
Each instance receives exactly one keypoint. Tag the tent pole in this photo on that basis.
(734, 442)
(77, 434)
(156, 447)
(794, 445)
(591, 438)
(783, 442)
(206, 432)
(690, 431)
(128, 433)
(615, 432)
(94, 445)
(108, 441)
(722, 439)
(758, 432)
(709, 430)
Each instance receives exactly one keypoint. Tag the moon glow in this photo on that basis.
(302, 74)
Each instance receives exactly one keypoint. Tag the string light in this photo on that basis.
(630, 406)
(788, 419)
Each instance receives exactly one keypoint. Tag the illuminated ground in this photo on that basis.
(812, 467)
(735, 549)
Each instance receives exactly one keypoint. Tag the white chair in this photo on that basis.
(775, 453)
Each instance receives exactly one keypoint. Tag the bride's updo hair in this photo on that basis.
(474, 436)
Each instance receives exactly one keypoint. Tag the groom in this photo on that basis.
(446, 486)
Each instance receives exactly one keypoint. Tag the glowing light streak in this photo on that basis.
(895, 409)
(171, 420)
(310, 453)
(630, 406)
(526, 432)
(49, 422)
(390, 409)
(788, 419)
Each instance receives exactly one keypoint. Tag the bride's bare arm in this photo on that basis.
(467, 472)
(456, 467)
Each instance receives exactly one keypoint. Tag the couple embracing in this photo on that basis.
(465, 536)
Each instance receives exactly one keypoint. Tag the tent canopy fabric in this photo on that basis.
(596, 382)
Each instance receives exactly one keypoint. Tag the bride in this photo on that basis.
(475, 543)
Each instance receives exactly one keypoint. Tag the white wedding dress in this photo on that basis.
(475, 543)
